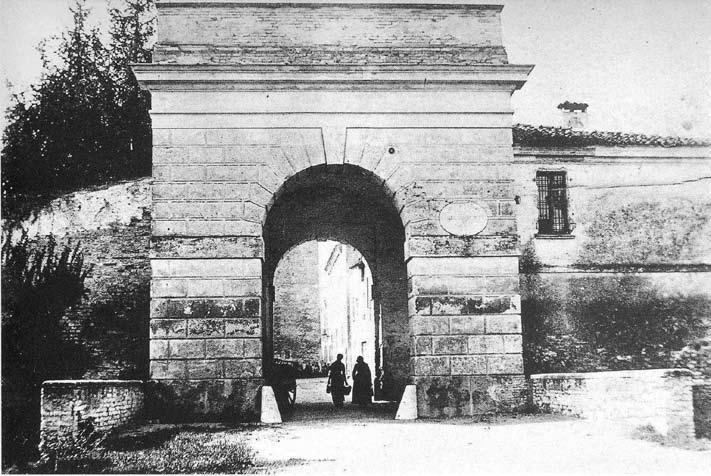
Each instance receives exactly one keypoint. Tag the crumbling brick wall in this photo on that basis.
(70, 406)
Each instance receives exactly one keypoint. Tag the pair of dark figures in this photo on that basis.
(338, 383)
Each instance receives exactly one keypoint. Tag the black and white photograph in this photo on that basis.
(362, 237)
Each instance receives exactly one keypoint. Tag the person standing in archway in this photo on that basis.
(362, 383)
(337, 381)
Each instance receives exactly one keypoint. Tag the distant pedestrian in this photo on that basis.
(362, 383)
(336, 385)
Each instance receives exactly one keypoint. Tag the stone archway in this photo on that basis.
(245, 97)
(348, 204)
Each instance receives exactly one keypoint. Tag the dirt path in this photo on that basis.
(322, 440)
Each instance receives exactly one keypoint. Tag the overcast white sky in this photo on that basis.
(642, 65)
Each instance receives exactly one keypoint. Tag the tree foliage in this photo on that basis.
(86, 121)
(38, 285)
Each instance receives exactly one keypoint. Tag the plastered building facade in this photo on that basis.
(383, 125)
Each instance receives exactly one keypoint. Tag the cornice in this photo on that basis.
(431, 4)
(161, 76)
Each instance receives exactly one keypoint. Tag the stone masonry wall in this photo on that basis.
(625, 400)
(642, 223)
(70, 406)
(297, 320)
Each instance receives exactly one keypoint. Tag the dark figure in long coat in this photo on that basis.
(362, 383)
(337, 380)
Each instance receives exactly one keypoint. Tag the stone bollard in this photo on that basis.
(407, 410)
(270, 409)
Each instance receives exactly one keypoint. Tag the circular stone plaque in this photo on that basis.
(463, 218)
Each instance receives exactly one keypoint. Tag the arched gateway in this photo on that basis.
(386, 125)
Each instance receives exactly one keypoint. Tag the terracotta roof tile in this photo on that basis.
(525, 135)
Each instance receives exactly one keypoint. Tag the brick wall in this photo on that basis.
(624, 400)
(67, 405)
(112, 224)
(328, 33)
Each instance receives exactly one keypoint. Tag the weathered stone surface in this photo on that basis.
(430, 365)
(201, 369)
(503, 324)
(504, 364)
(246, 327)
(429, 325)
(186, 349)
(244, 368)
(449, 345)
(204, 308)
(201, 328)
(168, 328)
(224, 348)
(442, 397)
(499, 394)
(467, 324)
(468, 365)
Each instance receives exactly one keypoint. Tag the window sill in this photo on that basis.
(554, 237)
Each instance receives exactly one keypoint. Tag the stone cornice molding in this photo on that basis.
(344, 3)
(160, 77)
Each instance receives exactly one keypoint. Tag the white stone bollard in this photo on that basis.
(407, 410)
(270, 409)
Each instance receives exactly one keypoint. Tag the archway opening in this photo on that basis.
(323, 306)
(346, 215)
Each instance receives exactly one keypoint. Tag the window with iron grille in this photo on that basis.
(552, 203)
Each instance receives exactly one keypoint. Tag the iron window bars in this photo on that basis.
(552, 203)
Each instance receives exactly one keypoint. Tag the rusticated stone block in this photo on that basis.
(468, 365)
(167, 369)
(505, 364)
(451, 305)
(245, 368)
(252, 348)
(158, 349)
(207, 247)
(499, 394)
(503, 324)
(513, 344)
(439, 397)
(219, 400)
(206, 328)
(430, 365)
(486, 344)
(252, 307)
(168, 328)
(203, 369)
(199, 308)
(466, 324)
(224, 348)
(450, 345)
(187, 349)
(246, 327)
(422, 345)
(429, 325)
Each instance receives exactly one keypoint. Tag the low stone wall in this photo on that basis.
(702, 409)
(624, 400)
(71, 405)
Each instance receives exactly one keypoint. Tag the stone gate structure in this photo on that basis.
(385, 125)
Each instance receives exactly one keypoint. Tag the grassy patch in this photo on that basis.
(165, 451)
